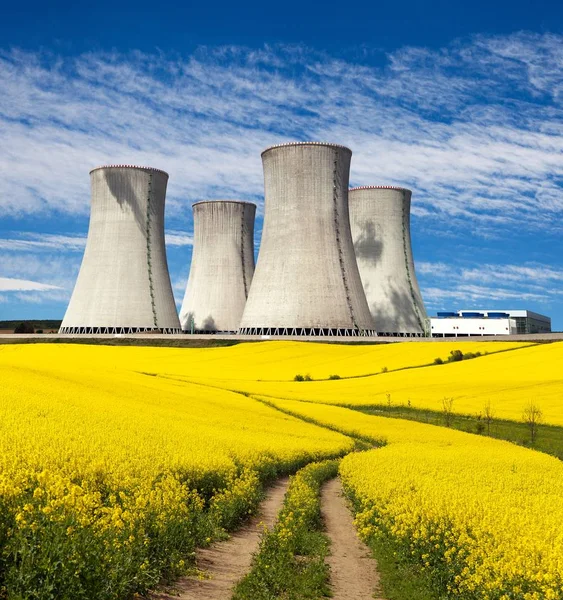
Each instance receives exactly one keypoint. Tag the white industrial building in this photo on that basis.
(488, 322)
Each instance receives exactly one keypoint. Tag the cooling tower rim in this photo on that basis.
(289, 144)
(223, 202)
(129, 167)
(380, 187)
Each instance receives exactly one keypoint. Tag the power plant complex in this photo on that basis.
(332, 261)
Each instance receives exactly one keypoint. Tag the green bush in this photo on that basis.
(333, 377)
(455, 356)
(24, 327)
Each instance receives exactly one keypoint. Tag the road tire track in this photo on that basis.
(225, 563)
(353, 570)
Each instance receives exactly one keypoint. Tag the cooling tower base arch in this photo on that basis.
(115, 330)
(403, 334)
(307, 331)
(209, 332)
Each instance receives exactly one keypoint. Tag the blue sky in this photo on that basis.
(461, 104)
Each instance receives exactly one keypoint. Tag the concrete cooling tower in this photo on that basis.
(222, 266)
(123, 285)
(380, 221)
(306, 280)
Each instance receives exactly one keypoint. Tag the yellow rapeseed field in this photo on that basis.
(480, 514)
(108, 472)
(272, 361)
(281, 361)
(509, 380)
(116, 462)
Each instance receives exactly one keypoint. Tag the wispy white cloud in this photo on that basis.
(178, 238)
(55, 273)
(528, 282)
(34, 242)
(436, 296)
(23, 285)
(475, 129)
(527, 273)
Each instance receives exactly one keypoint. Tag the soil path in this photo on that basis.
(225, 563)
(353, 571)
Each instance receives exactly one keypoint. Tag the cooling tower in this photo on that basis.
(306, 280)
(123, 285)
(380, 221)
(222, 266)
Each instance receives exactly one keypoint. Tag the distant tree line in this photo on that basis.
(31, 325)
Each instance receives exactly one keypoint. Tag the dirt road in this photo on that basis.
(225, 563)
(353, 572)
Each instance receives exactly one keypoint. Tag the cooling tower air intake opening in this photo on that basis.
(307, 332)
(116, 330)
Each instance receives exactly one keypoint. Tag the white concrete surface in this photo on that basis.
(123, 281)
(222, 266)
(306, 274)
(380, 222)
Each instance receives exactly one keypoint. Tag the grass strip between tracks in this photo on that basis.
(291, 560)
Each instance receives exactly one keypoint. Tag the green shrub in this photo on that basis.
(300, 377)
(455, 356)
(24, 327)
(334, 377)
